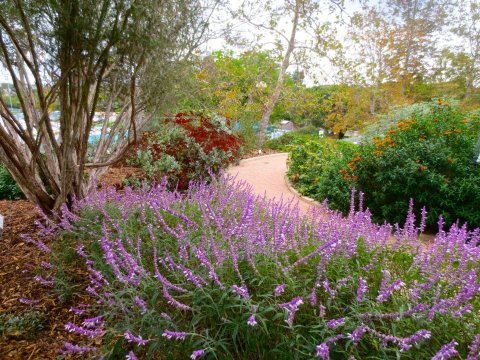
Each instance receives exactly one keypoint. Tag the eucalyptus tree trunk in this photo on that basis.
(267, 112)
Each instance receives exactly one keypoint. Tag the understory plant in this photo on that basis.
(218, 273)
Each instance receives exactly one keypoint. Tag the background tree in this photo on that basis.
(65, 55)
(415, 24)
(467, 59)
(306, 21)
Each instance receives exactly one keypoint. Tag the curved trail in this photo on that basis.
(266, 175)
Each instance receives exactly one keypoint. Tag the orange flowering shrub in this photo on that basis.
(428, 157)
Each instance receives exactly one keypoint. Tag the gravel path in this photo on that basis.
(266, 175)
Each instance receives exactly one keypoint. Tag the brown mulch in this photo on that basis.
(20, 261)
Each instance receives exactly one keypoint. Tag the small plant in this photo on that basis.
(24, 326)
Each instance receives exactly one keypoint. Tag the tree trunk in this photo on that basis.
(267, 112)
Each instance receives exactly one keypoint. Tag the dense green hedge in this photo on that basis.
(314, 170)
(429, 157)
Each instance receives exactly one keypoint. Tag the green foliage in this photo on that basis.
(9, 189)
(187, 148)
(314, 170)
(429, 157)
(289, 140)
(23, 326)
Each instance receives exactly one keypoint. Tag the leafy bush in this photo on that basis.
(9, 189)
(219, 273)
(314, 171)
(187, 148)
(429, 157)
(289, 140)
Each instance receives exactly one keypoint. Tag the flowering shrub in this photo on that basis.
(219, 273)
(187, 148)
(429, 157)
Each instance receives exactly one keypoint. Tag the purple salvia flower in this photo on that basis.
(362, 288)
(332, 324)
(323, 311)
(241, 291)
(328, 289)
(313, 296)
(251, 321)
(69, 348)
(387, 292)
(43, 281)
(135, 339)
(292, 308)
(447, 351)
(323, 351)
(141, 304)
(131, 356)
(474, 349)
(172, 301)
(166, 316)
(93, 322)
(28, 301)
(280, 289)
(197, 353)
(176, 335)
(70, 327)
(357, 334)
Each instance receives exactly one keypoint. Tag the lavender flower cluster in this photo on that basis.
(219, 235)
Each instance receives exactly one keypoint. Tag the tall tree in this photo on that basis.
(70, 55)
(305, 18)
(415, 23)
(467, 59)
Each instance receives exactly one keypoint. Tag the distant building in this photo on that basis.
(286, 125)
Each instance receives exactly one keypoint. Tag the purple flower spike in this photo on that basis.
(251, 321)
(323, 351)
(131, 356)
(292, 308)
(69, 348)
(332, 324)
(280, 289)
(241, 291)
(197, 353)
(135, 339)
(174, 335)
(447, 351)
(362, 289)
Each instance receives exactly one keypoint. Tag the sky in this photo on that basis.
(320, 68)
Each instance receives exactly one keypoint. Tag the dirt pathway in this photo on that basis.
(266, 175)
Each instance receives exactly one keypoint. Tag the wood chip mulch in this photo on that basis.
(20, 262)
